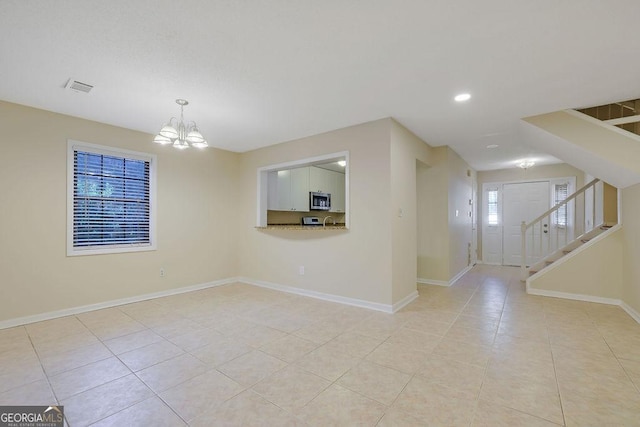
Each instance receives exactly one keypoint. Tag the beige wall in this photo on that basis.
(460, 181)
(631, 246)
(519, 175)
(406, 149)
(596, 271)
(207, 217)
(354, 263)
(433, 213)
(443, 188)
(610, 204)
(197, 211)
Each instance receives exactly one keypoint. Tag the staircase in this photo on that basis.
(549, 237)
(603, 141)
(566, 250)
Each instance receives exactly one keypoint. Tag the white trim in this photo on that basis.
(404, 301)
(488, 263)
(576, 297)
(386, 308)
(460, 274)
(432, 282)
(572, 254)
(619, 205)
(630, 311)
(18, 321)
(443, 282)
(622, 120)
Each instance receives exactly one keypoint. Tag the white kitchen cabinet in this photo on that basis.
(338, 196)
(289, 190)
(320, 180)
(327, 181)
(300, 189)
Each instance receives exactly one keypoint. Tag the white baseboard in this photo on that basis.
(460, 274)
(107, 304)
(488, 263)
(588, 298)
(432, 282)
(630, 311)
(571, 296)
(386, 308)
(442, 282)
(404, 301)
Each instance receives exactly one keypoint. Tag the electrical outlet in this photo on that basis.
(301, 270)
(162, 272)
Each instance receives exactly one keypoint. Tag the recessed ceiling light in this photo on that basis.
(492, 146)
(462, 97)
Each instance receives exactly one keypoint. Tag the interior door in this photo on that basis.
(522, 202)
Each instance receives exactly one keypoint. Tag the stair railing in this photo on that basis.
(534, 249)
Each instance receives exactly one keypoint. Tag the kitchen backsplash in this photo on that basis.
(284, 217)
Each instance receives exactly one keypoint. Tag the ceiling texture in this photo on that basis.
(257, 73)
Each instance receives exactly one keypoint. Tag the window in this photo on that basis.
(111, 203)
(560, 193)
(492, 207)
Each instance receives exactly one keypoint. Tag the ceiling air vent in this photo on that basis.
(78, 86)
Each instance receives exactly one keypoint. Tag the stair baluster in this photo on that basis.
(532, 252)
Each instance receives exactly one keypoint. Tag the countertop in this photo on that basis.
(303, 227)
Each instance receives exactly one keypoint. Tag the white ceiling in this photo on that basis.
(261, 72)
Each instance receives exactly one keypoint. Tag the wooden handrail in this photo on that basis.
(564, 202)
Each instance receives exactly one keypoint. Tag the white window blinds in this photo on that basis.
(492, 207)
(111, 200)
(560, 193)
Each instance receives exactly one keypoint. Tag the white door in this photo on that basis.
(523, 202)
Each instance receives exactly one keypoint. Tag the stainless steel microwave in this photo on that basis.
(319, 201)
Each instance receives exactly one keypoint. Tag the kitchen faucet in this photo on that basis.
(324, 222)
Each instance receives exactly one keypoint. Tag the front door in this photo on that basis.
(522, 202)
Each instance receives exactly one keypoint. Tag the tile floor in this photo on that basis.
(480, 353)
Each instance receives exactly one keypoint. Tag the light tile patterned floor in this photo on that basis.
(480, 353)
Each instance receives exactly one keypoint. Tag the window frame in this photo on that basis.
(555, 201)
(497, 205)
(73, 146)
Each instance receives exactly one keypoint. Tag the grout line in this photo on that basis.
(477, 290)
(555, 370)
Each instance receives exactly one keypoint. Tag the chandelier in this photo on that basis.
(526, 164)
(179, 134)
